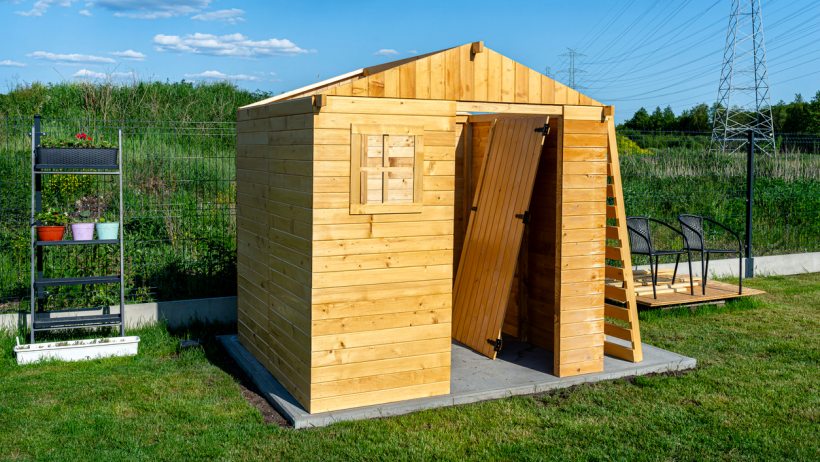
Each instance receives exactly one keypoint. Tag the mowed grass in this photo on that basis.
(754, 396)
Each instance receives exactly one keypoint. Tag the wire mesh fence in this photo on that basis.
(179, 199)
(670, 173)
(180, 192)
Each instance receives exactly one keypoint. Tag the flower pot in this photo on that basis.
(82, 231)
(106, 231)
(104, 158)
(50, 233)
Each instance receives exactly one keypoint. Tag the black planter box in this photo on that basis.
(102, 158)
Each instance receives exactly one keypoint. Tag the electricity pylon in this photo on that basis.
(743, 102)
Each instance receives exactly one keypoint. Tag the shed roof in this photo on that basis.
(469, 72)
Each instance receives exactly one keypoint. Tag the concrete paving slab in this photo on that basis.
(520, 369)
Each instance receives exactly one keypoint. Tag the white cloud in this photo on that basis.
(386, 52)
(152, 9)
(41, 6)
(88, 74)
(225, 45)
(231, 16)
(10, 63)
(216, 75)
(129, 54)
(85, 12)
(71, 57)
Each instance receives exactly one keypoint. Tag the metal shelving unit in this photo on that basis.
(71, 318)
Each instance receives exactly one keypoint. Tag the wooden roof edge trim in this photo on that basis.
(383, 67)
(314, 86)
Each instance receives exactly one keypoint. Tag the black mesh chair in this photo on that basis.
(695, 239)
(640, 243)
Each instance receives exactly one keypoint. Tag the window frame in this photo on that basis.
(358, 134)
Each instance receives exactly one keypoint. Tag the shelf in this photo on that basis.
(40, 167)
(99, 171)
(77, 281)
(77, 322)
(67, 242)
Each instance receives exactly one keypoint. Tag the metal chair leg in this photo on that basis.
(740, 274)
(705, 272)
(691, 276)
(675, 273)
(654, 272)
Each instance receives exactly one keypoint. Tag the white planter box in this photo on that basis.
(77, 350)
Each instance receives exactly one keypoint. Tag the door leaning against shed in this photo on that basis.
(455, 194)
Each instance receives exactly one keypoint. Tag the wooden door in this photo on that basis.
(494, 231)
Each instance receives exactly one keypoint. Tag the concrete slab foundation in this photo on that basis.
(520, 369)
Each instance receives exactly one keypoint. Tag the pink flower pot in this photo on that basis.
(82, 231)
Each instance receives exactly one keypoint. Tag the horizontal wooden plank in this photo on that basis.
(386, 230)
(389, 106)
(379, 396)
(359, 323)
(617, 312)
(615, 293)
(617, 331)
(584, 154)
(586, 367)
(619, 351)
(335, 120)
(594, 113)
(379, 382)
(382, 244)
(382, 276)
(381, 337)
(377, 352)
(585, 140)
(536, 109)
(334, 299)
(581, 355)
(584, 126)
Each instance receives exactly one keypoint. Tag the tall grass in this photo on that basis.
(678, 175)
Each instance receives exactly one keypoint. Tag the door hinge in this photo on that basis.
(525, 217)
(496, 343)
(545, 129)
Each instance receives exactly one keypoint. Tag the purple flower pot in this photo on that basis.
(82, 231)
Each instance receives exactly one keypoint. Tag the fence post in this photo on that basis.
(750, 182)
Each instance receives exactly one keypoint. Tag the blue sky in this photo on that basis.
(635, 52)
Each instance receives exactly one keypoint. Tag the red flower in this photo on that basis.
(83, 136)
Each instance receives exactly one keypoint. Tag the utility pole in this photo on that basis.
(572, 73)
(743, 101)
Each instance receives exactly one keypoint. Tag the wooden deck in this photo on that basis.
(679, 293)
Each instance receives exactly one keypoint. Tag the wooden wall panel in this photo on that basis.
(382, 284)
(274, 226)
(579, 323)
(458, 74)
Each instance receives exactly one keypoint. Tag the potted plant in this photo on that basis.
(79, 151)
(88, 209)
(108, 227)
(51, 225)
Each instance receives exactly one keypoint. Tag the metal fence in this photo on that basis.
(179, 226)
(669, 173)
(180, 193)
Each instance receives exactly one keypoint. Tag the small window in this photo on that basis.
(386, 169)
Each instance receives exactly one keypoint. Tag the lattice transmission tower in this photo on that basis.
(743, 102)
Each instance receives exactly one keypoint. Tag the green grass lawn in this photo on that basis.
(754, 396)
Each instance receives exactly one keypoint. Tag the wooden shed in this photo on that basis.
(452, 195)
